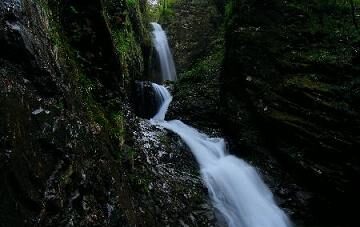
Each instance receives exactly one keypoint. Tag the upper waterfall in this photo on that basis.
(168, 71)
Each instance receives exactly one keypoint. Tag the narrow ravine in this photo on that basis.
(236, 189)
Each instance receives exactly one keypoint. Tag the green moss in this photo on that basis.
(128, 49)
(118, 131)
(130, 36)
(295, 123)
(128, 26)
(84, 86)
(336, 55)
(66, 177)
(283, 116)
(163, 10)
(132, 3)
(207, 68)
(229, 12)
(305, 82)
(64, 54)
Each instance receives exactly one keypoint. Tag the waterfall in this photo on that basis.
(161, 44)
(235, 188)
(164, 99)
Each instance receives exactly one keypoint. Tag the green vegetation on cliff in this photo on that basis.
(121, 24)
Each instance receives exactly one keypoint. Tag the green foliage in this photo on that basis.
(330, 25)
(131, 3)
(229, 8)
(208, 67)
(162, 10)
(166, 13)
(130, 35)
(127, 48)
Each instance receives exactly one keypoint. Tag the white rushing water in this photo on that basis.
(236, 189)
(164, 98)
(162, 48)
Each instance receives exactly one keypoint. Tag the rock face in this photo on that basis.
(144, 99)
(193, 31)
(68, 154)
(52, 170)
(197, 40)
(170, 185)
(286, 97)
(296, 84)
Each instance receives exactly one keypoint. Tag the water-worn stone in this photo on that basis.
(173, 180)
(144, 100)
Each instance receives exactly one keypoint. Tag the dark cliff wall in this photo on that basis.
(195, 30)
(291, 72)
(283, 85)
(65, 69)
(192, 28)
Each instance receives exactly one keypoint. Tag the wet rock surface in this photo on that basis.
(193, 31)
(169, 178)
(56, 163)
(144, 99)
(197, 43)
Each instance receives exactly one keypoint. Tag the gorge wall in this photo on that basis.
(278, 79)
(291, 72)
(63, 77)
(282, 83)
(72, 151)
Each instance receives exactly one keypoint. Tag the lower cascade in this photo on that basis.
(236, 189)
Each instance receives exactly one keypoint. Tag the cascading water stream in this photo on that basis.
(236, 189)
(164, 99)
(161, 44)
